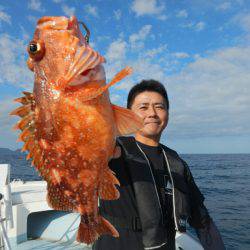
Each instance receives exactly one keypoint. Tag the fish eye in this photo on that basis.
(36, 50)
(33, 48)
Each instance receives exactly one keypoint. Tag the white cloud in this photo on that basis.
(143, 68)
(13, 69)
(68, 11)
(155, 51)
(7, 104)
(149, 7)
(91, 10)
(115, 98)
(4, 17)
(35, 5)
(142, 63)
(137, 39)
(116, 50)
(182, 14)
(103, 38)
(162, 17)
(243, 19)
(180, 55)
(211, 95)
(146, 64)
(199, 26)
(92, 45)
(32, 19)
(117, 14)
(8, 136)
(146, 69)
(224, 6)
(188, 25)
(25, 35)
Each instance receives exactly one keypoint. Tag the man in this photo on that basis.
(157, 193)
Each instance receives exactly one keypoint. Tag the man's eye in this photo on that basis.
(159, 107)
(143, 107)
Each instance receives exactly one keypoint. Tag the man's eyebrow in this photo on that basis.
(147, 103)
(143, 103)
(156, 103)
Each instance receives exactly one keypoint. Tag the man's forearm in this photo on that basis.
(210, 237)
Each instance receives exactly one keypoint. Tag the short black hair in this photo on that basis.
(147, 85)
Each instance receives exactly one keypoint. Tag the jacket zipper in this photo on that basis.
(171, 178)
(153, 181)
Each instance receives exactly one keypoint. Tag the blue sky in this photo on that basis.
(199, 49)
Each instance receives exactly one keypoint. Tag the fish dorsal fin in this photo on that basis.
(118, 77)
(127, 122)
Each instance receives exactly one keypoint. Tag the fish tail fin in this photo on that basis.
(105, 227)
(86, 233)
(89, 233)
(107, 188)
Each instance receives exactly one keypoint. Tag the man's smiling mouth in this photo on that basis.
(152, 123)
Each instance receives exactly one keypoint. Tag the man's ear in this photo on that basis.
(168, 113)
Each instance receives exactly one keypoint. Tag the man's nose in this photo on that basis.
(152, 112)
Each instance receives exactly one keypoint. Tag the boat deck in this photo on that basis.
(45, 244)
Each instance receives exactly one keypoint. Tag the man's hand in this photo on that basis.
(117, 152)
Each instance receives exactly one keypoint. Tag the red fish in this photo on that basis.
(69, 125)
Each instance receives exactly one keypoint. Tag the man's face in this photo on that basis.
(152, 108)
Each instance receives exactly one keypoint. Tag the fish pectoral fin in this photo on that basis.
(107, 189)
(118, 77)
(127, 122)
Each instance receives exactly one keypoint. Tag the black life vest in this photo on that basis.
(148, 205)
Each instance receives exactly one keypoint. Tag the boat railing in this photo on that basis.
(6, 216)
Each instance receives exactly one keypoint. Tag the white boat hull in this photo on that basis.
(33, 219)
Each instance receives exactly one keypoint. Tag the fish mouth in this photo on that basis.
(90, 75)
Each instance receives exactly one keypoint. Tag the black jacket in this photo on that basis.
(138, 202)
